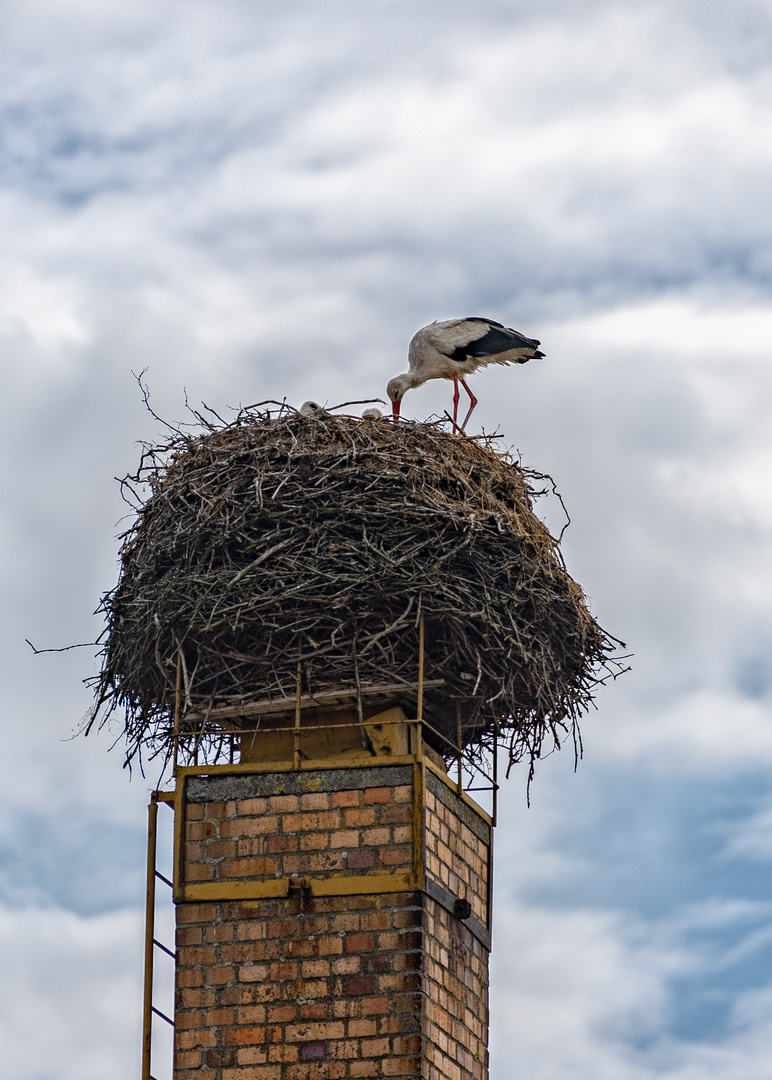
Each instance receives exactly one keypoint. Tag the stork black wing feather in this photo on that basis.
(481, 318)
(494, 342)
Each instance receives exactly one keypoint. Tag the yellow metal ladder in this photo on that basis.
(151, 942)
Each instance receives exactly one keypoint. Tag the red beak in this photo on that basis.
(395, 409)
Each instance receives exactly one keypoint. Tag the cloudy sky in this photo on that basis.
(258, 200)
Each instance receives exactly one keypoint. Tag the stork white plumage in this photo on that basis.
(455, 348)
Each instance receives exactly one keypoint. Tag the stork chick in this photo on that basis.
(455, 348)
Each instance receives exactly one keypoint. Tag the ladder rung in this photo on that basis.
(162, 1015)
(164, 879)
(162, 946)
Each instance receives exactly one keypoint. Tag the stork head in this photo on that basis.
(396, 391)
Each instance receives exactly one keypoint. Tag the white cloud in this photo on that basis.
(253, 204)
(70, 1004)
(591, 994)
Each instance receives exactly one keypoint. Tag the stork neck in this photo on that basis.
(412, 379)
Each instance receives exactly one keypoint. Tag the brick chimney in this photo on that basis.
(333, 912)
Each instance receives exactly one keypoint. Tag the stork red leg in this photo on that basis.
(455, 403)
(472, 403)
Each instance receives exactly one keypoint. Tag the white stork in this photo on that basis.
(455, 348)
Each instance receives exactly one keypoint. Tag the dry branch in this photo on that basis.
(278, 535)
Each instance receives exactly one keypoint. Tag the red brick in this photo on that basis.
(189, 978)
(258, 1072)
(403, 983)
(252, 845)
(314, 1051)
(282, 804)
(359, 1028)
(195, 999)
(375, 1006)
(218, 1059)
(407, 918)
(186, 1040)
(409, 1044)
(396, 815)
(295, 948)
(359, 943)
(218, 849)
(311, 1031)
(246, 951)
(280, 1014)
(375, 1047)
(347, 965)
(355, 819)
(199, 830)
(246, 1036)
(195, 956)
(251, 1014)
(318, 800)
(407, 961)
(241, 868)
(219, 1017)
(360, 860)
(346, 798)
(315, 841)
(330, 946)
(343, 1008)
(344, 839)
(282, 843)
(188, 1020)
(249, 827)
(284, 971)
(252, 1055)
(317, 1011)
(396, 856)
(377, 837)
(321, 1070)
(363, 1069)
(188, 1059)
(253, 972)
(199, 872)
(377, 795)
(252, 806)
(309, 864)
(216, 976)
(194, 913)
(401, 1066)
(315, 969)
(283, 1053)
(219, 933)
(311, 821)
(189, 935)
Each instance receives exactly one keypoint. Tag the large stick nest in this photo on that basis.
(279, 537)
